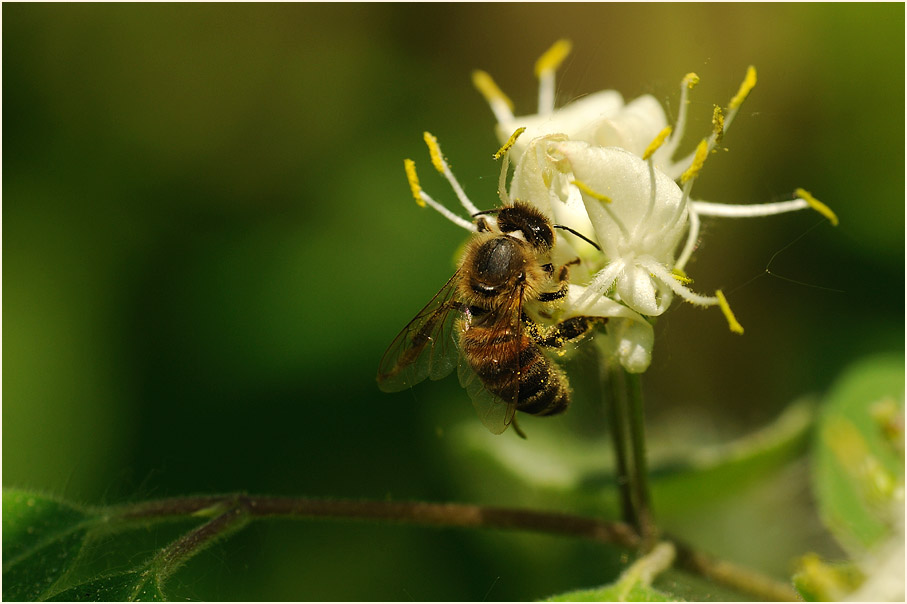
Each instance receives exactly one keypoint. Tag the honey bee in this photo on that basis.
(479, 322)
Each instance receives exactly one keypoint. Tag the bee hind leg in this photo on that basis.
(568, 330)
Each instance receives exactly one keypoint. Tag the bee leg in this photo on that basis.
(562, 278)
(567, 331)
(517, 429)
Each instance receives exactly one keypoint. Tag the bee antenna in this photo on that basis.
(485, 212)
(580, 235)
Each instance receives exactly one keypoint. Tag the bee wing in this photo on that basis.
(425, 347)
(504, 339)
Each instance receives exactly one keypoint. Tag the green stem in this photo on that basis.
(615, 401)
(636, 416)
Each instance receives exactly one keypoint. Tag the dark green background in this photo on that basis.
(209, 241)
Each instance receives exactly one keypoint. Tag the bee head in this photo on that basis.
(526, 220)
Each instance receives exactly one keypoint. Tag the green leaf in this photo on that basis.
(633, 585)
(133, 586)
(859, 454)
(555, 463)
(42, 539)
(818, 581)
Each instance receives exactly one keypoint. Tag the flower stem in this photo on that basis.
(623, 395)
(643, 500)
(615, 400)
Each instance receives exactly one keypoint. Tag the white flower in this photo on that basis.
(601, 118)
(629, 337)
(605, 169)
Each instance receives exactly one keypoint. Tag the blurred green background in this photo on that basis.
(209, 241)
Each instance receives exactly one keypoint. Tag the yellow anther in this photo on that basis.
(510, 142)
(435, 151)
(817, 205)
(583, 187)
(735, 326)
(702, 152)
(691, 79)
(553, 57)
(657, 142)
(487, 87)
(410, 167)
(681, 276)
(718, 123)
(748, 82)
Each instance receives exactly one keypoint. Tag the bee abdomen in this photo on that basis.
(542, 387)
(532, 379)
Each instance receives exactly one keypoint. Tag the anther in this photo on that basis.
(553, 57)
(583, 187)
(501, 105)
(817, 205)
(410, 167)
(510, 143)
(702, 152)
(657, 142)
(690, 80)
(435, 151)
(732, 322)
(717, 124)
(748, 83)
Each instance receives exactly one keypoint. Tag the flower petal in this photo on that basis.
(630, 337)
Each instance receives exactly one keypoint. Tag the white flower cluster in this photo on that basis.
(605, 169)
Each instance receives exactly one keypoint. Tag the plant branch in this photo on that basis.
(232, 512)
(733, 575)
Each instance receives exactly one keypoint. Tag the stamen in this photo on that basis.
(690, 245)
(702, 152)
(726, 210)
(681, 276)
(657, 142)
(510, 142)
(413, 178)
(502, 179)
(689, 80)
(647, 155)
(748, 83)
(732, 322)
(435, 151)
(501, 105)
(817, 205)
(552, 58)
(583, 187)
(545, 68)
(717, 125)
(437, 159)
(422, 198)
(666, 277)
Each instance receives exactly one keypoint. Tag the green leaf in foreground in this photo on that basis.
(134, 586)
(633, 585)
(859, 454)
(858, 481)
(42, 539)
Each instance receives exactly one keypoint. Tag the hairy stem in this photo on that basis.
(229, 513)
